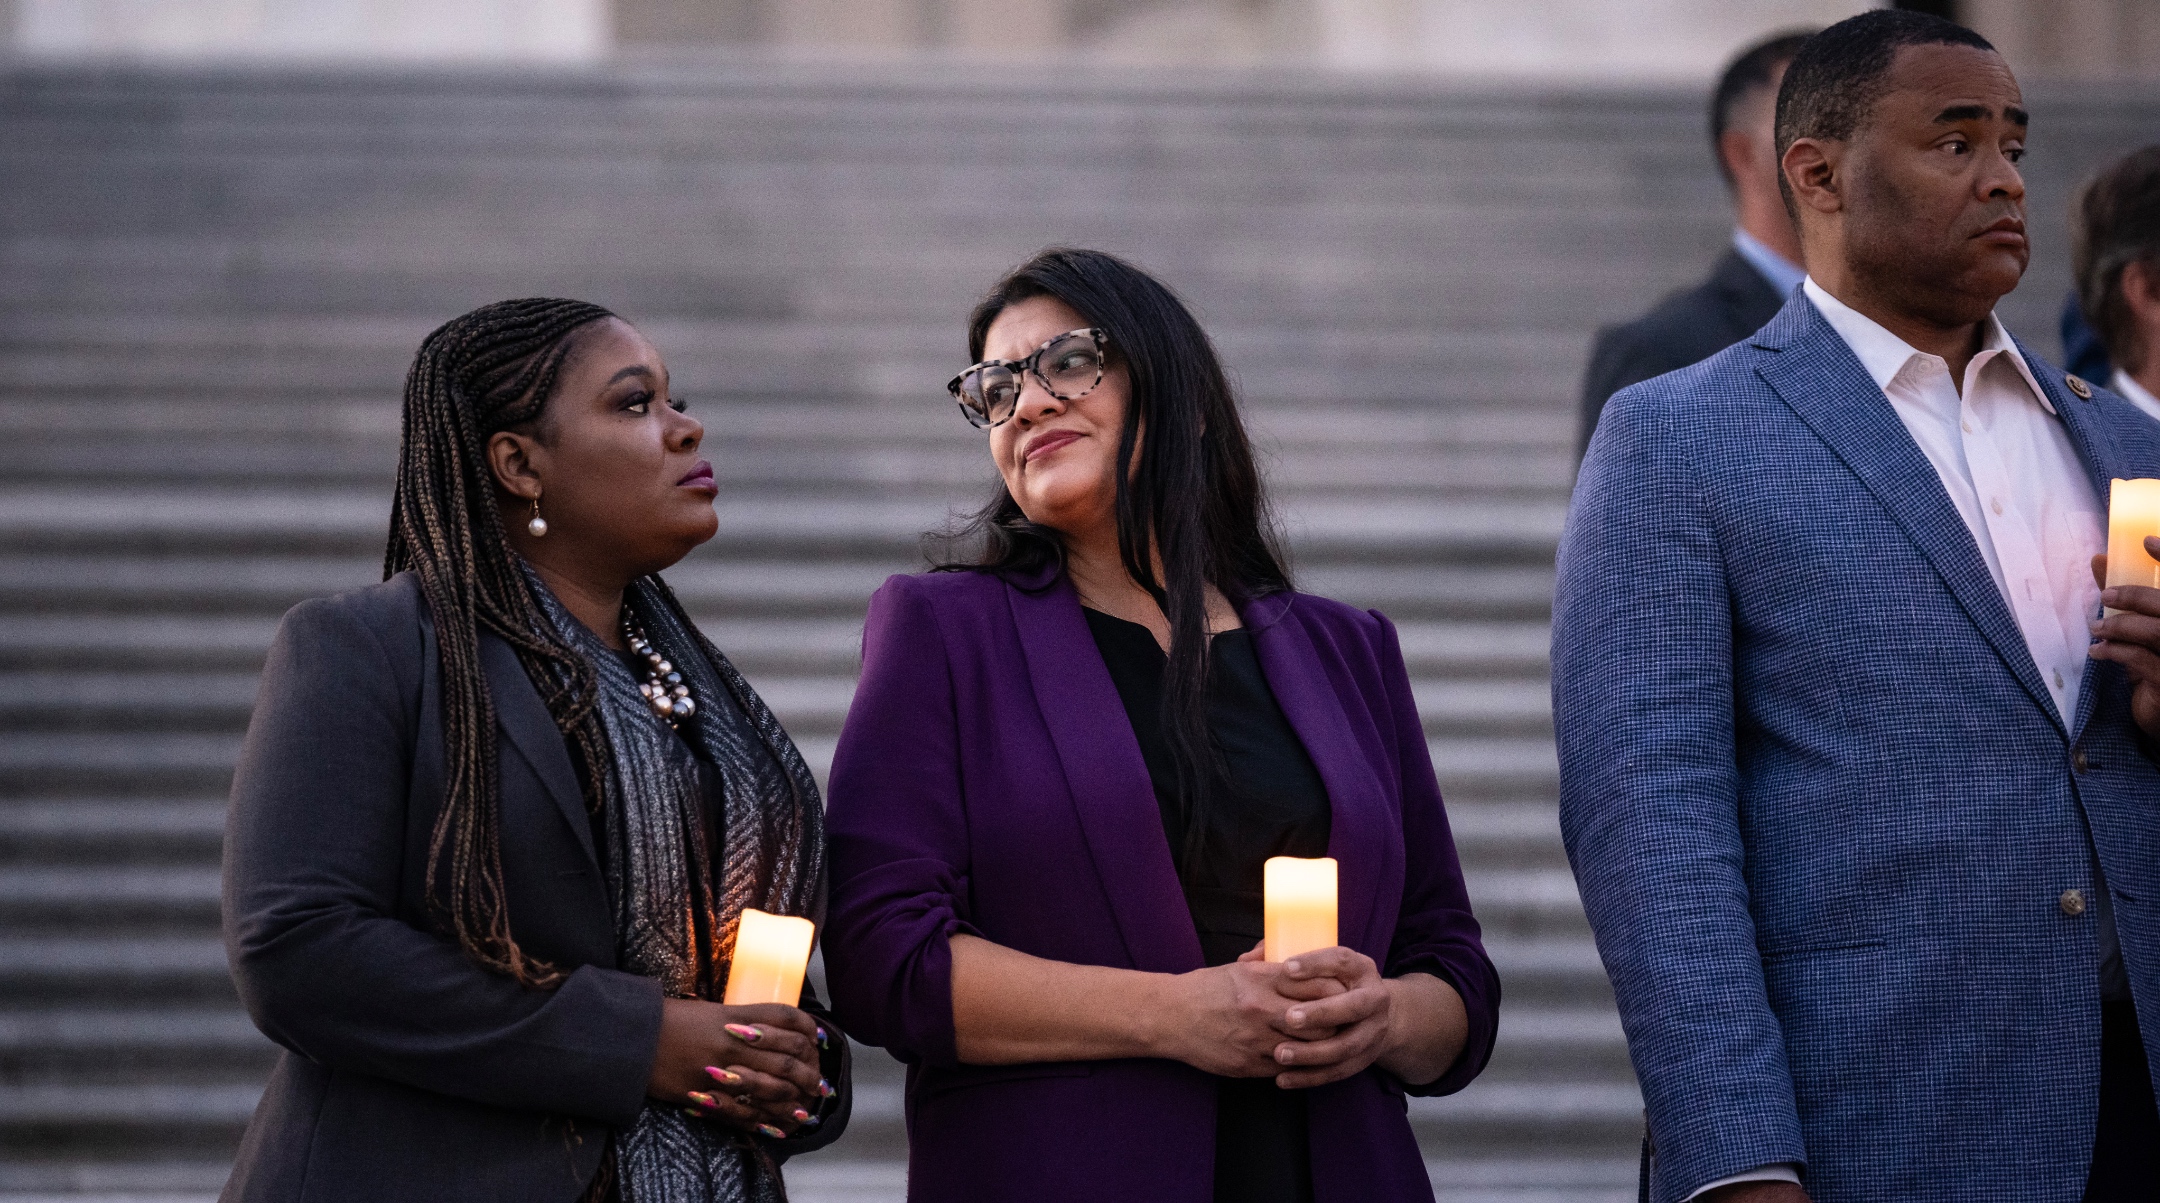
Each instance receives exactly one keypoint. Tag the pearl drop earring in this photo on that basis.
(538, 525)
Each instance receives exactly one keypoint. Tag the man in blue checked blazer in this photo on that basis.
(1866, 822)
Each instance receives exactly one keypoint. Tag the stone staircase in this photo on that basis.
(211, 282)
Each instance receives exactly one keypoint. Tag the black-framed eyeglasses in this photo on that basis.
(1068, 367)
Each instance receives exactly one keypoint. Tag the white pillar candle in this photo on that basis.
(2133, 513)
(1300, 905)
(771, 953)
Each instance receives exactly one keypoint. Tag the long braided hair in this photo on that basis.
(491, 370)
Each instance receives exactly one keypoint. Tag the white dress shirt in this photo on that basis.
(2010, 469)
(2138, 395)
(2013, 474)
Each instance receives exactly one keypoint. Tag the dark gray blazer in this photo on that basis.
(1684, 328)
(409, 1072)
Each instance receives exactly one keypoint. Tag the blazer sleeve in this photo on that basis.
(1434, 931)
(1643, 700)
(898, 831)
(314, 853)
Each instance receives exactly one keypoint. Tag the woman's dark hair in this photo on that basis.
(1189, 490)
(491, 370)
(2115, 223)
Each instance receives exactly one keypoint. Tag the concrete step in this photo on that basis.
(74, 831)
(780, 367)
(124, 703)
(131, 830)
(709, 584)
(77, 763)
(99, 970)
(758, 645)
(1322, 527)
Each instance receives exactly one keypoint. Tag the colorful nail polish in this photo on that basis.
(801, 1116)
(693, 1113)
(772, 1132)
(702, 1099)
(744, 1032)
(823, 1040)
(812, 1122)
(725, 1077)
(824, 1089)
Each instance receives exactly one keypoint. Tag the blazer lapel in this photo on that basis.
(1823, 382)
(1360, 818)
(2102, 456)
(521, 715)
(1106, 778)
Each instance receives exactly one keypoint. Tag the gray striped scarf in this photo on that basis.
(676, 910)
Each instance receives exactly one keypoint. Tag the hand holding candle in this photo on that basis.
(2133, 514)
(771, 954)
(1300, 909)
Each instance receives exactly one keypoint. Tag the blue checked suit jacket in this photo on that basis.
(1818, 801)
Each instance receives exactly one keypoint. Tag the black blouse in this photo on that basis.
(1266, 799)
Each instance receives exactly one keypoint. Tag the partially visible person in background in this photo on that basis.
(2082, 352)
(2116, 227)
(1751, 280)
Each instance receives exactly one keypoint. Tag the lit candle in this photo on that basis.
(1300, 905)
(2133, 513)
(771, 953)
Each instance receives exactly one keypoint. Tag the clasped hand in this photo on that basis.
(751, 1068)
(1317, 1018)
(2131, 638)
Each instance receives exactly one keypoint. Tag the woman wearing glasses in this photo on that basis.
(1065, 765)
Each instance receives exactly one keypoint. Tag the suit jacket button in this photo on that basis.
(2073, 903)
(2079, 761)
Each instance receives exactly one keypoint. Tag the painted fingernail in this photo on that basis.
(744, 1032)
(823, 1040)
(693, 1113)
(772, 1132)
(824, 1089)
(812, 1122)
(725, 1077)
(801, 1116)
(701, 1099)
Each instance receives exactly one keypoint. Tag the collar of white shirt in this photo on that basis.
(1884, 354)
(2137, 394)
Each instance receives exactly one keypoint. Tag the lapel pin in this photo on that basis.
(2077, 385)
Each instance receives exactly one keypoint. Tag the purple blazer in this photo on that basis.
(988, 782)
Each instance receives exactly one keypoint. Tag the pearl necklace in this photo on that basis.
(663, 687)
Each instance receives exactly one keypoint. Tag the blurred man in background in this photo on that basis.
(2117, 262)
(1752, 280)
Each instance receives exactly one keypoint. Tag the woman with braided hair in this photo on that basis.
(497, 819)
